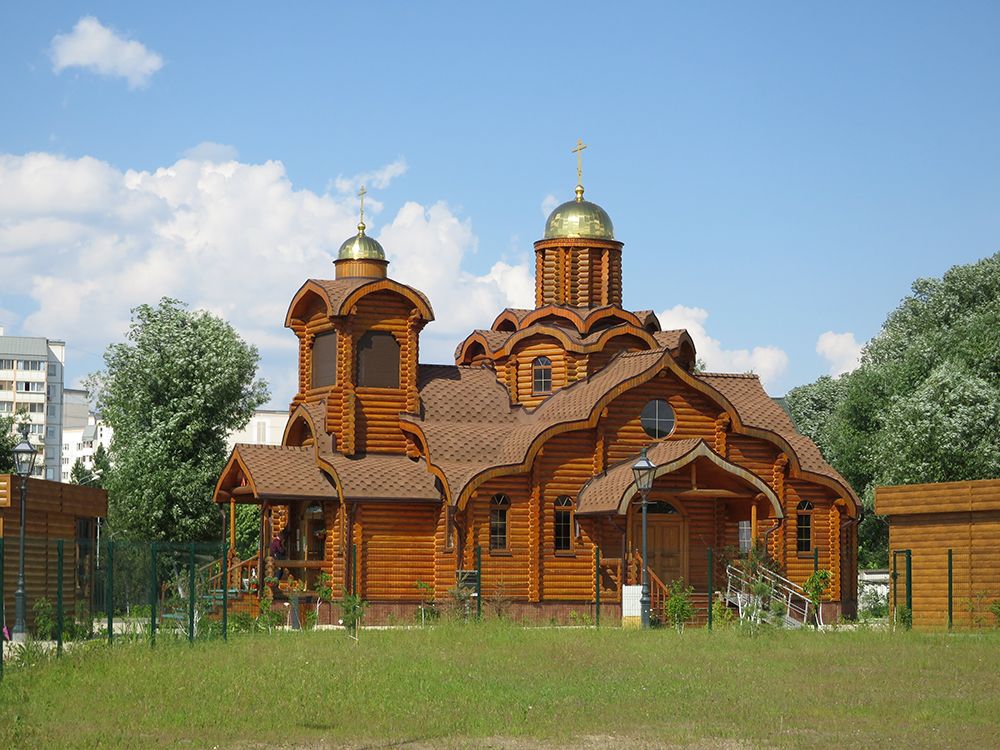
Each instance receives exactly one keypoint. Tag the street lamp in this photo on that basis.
(643, 471)
(24, 463)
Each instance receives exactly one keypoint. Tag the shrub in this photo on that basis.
(352, 610)
(815, 586)
(995, 610)
(678, 608)
(45, 624)
(904, 617)
(722, 615)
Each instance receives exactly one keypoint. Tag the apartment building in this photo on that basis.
(31, 383)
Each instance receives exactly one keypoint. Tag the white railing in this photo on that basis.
(740, 592)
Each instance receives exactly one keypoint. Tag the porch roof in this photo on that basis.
(277, 471)
(611, 491)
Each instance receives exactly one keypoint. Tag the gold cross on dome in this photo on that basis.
(580, 146)
(361, 194)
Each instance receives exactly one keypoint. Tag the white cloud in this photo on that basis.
(85, 242)
(379, 178)
(95, 47)
(549, 203)
(840, 350)
(426, 248)
(769, 362)
(212, 151)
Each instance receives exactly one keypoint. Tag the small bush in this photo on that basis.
(352, 610)
(45, 624)
(722, 616)
(679, 609)
(904, 617)
(995, 611)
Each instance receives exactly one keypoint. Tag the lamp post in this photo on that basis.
(24, 463)
(643, 471)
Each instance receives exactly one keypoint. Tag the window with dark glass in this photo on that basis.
(661, 508)
(324, 360)
(378, 360)
(499, 505)
(541, 375)
(803, 526)
(564, 524)
(658, 419)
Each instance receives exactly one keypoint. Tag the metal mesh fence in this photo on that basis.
(78, 589)
(935, 589)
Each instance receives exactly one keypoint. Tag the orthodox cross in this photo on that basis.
(361, 194)
(580, 146)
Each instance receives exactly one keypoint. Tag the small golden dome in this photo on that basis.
(361, 247)
(579, 218)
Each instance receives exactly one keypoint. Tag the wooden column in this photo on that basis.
(753, 521)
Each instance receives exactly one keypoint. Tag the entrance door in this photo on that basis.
(666, 541)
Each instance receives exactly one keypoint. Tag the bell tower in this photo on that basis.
(578, 261)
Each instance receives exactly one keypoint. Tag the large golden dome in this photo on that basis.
(579, 218)
(361, 247)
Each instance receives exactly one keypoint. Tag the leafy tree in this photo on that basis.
(171, 393)
(79, 474)
(924, 403)
(9, 437)
(247, 530)
(102, 466)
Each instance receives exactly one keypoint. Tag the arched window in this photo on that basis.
(803, 527)
(324, 360)
(541, 376)
(499, 505)
(563, 527)
(378, 360)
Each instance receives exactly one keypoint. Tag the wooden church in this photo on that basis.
(394, 475)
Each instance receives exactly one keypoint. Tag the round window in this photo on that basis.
(658, 418)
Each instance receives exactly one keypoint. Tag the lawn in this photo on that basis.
(504, 686)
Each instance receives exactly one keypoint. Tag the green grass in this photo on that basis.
(457, 685)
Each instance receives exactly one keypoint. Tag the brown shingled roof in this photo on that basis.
(604, 493)
(609, 492)
(670, 339)
(757, 409)
(283, 471)
(380, 476)
(338, 290)
(465, 448)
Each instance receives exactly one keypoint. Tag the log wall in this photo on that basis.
(395, 549)
(930, 519)
(52, 512)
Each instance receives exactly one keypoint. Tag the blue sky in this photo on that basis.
(777, 171)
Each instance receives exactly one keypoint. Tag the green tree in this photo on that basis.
(79, 474)
(171, 393)
(9, 437)
(924, 403)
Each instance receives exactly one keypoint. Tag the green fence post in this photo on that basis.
(225, 593)
(153, 584)
(597, 586)
(711, 584)
(191, 593)
(59, 598)
(479, 582)
(3, 611)
(109, 591)
(354, 569)
(894, 575)
(815, 559)
(949, 589)
(909, 582)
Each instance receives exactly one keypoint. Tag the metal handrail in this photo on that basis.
(789, 593)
